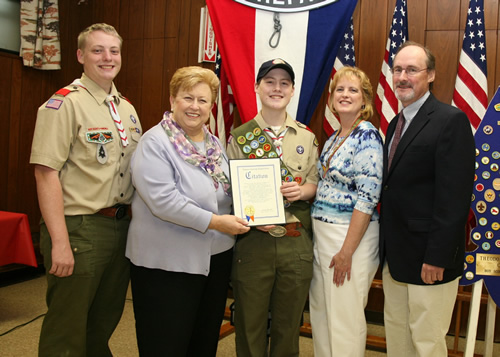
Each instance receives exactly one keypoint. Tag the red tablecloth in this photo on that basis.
(16, 245)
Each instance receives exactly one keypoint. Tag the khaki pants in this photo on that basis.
(417, 317)
(270, 274)
(84, 308)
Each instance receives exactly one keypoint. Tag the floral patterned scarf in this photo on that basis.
(210, 162)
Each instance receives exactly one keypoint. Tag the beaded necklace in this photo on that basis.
(337, 141)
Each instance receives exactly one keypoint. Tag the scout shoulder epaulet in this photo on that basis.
(122, 96)
(54, 102)
(302, 125)
(66, 90)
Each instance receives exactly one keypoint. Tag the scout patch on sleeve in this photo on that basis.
(54, 104)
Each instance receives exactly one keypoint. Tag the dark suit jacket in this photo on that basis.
(426, 194)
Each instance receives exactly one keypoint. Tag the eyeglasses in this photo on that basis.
(410, 71)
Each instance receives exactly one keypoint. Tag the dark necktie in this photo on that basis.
(397, 137)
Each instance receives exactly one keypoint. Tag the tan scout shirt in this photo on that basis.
(75, 135)
(300, 151)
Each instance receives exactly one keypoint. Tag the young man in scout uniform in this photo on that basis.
(272, 266)
(84, 138)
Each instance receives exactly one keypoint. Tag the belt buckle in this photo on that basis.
(277, 231)
(121, 210)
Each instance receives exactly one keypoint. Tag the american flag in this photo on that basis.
(345, 57)
(471, 85)
(221, 118)
(385, 101)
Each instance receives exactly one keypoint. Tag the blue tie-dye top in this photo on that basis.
(354, 177)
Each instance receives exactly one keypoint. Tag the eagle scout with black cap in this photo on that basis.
(272, 64)
(84, 138)
(272, 266)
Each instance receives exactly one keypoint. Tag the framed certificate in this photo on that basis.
(256, 191)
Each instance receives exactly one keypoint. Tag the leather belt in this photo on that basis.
(117, 211)
(288, 230)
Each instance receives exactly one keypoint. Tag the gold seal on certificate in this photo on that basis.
(250, 213)
(256, 191)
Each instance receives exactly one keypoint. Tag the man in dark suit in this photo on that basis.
(426, 195)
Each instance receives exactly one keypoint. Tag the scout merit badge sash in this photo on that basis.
(255, 143)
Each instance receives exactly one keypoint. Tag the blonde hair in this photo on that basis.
(186, 78)
(366, 89)
(110, 30)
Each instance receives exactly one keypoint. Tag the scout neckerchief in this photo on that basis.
(326, 165)
(210, 162)
(110, 101)
(277, 140)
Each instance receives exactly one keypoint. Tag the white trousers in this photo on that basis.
(337, 313)
(417, 317)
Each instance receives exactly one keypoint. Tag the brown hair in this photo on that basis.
(430, 61)
(186, 78)
(366, 86)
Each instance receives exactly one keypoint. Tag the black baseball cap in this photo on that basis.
(272, 64)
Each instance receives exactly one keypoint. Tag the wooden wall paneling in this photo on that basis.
(194, 31)
(25, 194)
(152, 83)
(73, 19)
(184, 34)
(6, 117)
(135, 14)
(372, 37)
(155, 18)
(417, 20)
(170, 66)
(492, 62)
(464, 6)
(106, 11)
(375, 23)
(173, 12)
(435, 18)
(22, 191)
(124, 19)
(129, 81)
(123, 29)
(491, 14)
(171, 62)
(444, 46)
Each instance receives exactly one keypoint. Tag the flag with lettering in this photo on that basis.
(483, 262)
(222, 116)
(471, 85)
(345, 57)
(385, 101)
(305, 34)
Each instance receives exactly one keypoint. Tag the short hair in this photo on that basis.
(366, 89)
(110, 30)
(186, 78)
(430, 61)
